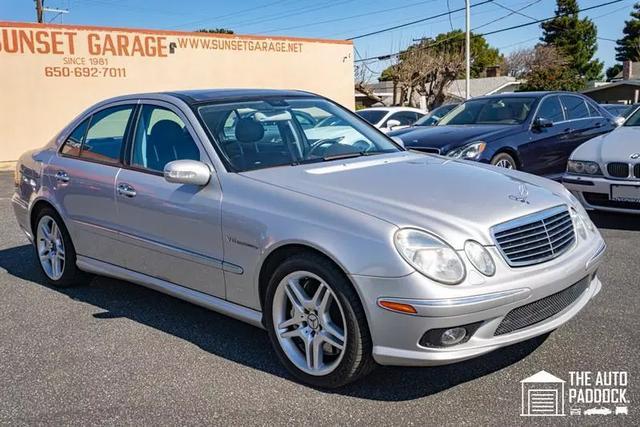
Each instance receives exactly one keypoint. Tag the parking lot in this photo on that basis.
(116, 353)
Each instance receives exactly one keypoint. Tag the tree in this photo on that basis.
(361, 83)
(576, 38)
(545, 68)
(613, 71)
(482, 54)
(215, 31)
(628, 47)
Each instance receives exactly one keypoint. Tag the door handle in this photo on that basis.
(126, 190)
(62, 176)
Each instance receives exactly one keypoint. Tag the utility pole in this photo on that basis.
(468, 49)
(39, 11)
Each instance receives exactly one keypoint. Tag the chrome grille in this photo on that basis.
(535, 238)
(618, 170)
(636, 170)
(542, 309)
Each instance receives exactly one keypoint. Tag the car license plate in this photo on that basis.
(625, 193)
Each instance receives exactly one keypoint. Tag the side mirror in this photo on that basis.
(392, 123)
(398, 141)
(619, 121)
(187, 172)
(542, 123)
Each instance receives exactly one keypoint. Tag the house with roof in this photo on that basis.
(542, 395)
(624, 88)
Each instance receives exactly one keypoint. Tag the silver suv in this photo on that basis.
(347, 249)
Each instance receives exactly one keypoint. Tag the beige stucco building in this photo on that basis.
(51, 73)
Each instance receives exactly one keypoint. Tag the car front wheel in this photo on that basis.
(503, 160)
(316, 323)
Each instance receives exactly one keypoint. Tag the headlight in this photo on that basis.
(582, 223)
(582, 167)
(480, 258)
(430, 256)
(469, 152)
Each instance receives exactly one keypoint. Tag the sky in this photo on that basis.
(334, 19)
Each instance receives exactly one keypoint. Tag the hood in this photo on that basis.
(446, 138)
(457, 200)
(615, 146)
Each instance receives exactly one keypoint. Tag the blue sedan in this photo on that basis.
(530, 131)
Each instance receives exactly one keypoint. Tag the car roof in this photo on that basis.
(532, 94)
(198, 96)
(417, 110)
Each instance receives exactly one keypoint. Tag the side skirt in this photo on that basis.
(219, 305)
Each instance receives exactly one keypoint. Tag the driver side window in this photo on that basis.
(551, 110)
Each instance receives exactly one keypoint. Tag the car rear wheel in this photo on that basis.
(55, 251)
(504, 160)
(316, 323)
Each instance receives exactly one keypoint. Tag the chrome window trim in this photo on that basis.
(566, 120)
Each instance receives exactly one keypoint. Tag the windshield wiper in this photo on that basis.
(346, 156)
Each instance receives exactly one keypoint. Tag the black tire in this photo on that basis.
(357, 360)
(71, 275)
(501, 159)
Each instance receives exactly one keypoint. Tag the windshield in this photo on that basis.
(434, 116)
(372, 116)
(634, 119)
(616, 110)
(490, 111)
(267, 133)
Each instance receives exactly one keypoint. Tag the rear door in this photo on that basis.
(582, 126)
(83, 178)
(170, 231)
(543, 154)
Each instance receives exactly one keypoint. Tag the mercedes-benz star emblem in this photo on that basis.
(313, 321)
(523, 194)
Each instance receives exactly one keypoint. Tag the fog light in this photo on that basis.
(453, 336)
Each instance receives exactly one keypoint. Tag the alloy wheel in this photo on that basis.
(309, 323)
(504, 163)
(50, 247)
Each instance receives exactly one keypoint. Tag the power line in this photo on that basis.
(406, 24)
(346, 18)
(514, 27)
(228, 15)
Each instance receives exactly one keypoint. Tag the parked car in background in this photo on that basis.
(346, 254)
(531, 131)
(619, 111)
(433, 117)
(604, 173)
(389, 118)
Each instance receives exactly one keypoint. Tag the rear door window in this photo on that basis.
(574, 107)
(106, 133)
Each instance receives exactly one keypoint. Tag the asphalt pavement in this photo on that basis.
(115, 353)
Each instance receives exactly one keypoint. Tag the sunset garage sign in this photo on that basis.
(51, 73)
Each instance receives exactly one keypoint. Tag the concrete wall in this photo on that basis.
(51, 73)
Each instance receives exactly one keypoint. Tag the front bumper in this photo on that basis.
(593, 193)
(396, 337)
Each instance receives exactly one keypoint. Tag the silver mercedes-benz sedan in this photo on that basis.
(347, 252)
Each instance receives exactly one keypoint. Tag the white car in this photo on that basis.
(391, 118)
(604, 172)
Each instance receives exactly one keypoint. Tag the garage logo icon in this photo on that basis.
(542, 396)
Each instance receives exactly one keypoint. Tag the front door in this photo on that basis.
(83, 178)
(543, 154)
(171, 231)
